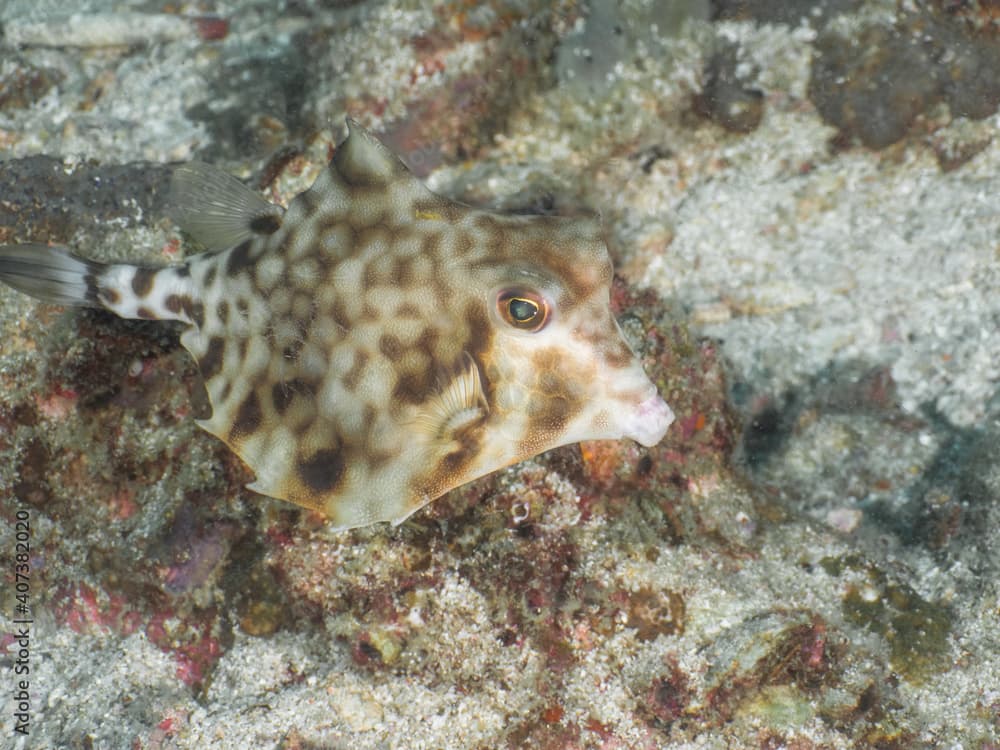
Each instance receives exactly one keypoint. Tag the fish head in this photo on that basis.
(556, 368)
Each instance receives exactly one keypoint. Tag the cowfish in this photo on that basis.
(375, 345)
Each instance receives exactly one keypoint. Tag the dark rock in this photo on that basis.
(873, 86)
(727, 98)
(43, 202)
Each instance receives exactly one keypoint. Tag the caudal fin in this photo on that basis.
(51, 274)
(55, 275)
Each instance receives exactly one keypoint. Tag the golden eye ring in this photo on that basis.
(523, 309)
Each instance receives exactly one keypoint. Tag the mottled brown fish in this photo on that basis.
(377, 345)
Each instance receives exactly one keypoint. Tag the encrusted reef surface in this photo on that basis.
(803, 202)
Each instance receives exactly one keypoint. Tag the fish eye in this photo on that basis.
(523, 309)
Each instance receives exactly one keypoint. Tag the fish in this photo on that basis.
(376, 345)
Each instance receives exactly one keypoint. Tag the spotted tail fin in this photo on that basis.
(55, 275)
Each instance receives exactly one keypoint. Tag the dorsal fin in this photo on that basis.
(363, 160)
(218, 210)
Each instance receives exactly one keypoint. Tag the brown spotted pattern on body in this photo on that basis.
(376, 345)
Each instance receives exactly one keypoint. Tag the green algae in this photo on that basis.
(915, 629)
(780, 705)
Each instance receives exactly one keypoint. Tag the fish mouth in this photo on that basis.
(648, 421)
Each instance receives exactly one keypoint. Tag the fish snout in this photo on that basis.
(636, 409)
(647, 420)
